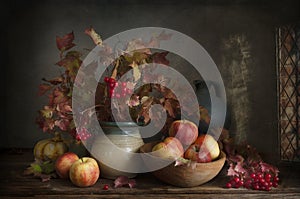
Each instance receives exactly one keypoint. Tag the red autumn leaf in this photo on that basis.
(168, 93)
(62, 124)
(67, 108)
(160, 58)
(131, 183)
(47, 124)
(171, 105)
(43, 88)
(66, 42)
(59, 96)
(123, 181)
(64, 107)
(231, 170)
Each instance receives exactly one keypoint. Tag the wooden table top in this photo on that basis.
(14, 185)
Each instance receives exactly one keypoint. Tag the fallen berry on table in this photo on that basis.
(105, 187)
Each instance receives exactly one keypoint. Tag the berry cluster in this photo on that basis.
(83, 134)
(116, 89)
(257, 181)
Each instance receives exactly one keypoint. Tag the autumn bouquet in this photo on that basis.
(115, 93)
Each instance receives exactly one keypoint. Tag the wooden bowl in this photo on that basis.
(186, 176)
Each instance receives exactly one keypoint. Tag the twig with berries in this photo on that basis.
(247, 169)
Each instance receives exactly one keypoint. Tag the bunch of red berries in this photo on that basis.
(257, 181)
(116, 89)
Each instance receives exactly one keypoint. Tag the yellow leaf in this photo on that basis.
(136, 71)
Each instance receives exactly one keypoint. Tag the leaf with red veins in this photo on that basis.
(160, 58)
(43, 88)
(66, 42)
(123, 181)
(231, 170)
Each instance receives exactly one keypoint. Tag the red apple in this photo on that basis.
(84, 172)
(64, 163)
(208, 143)
(195, 153)
(170, 148)
(185, 131)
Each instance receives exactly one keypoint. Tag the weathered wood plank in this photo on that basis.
(172, 196)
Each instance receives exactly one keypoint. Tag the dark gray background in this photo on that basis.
(28, 50)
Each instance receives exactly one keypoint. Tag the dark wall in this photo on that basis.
(29, 50)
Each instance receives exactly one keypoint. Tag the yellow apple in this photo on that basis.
(84, 172)
(170, 148)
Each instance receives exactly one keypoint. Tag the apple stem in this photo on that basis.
(81, 160)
